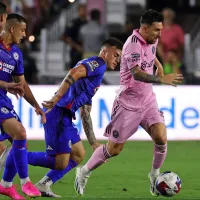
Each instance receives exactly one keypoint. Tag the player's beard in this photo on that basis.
(151, 41)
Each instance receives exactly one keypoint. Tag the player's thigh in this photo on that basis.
(124, 123)
(14, 129)
(11, 124)
(153, 123)
(78, 152)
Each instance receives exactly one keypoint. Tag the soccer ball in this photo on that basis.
(168, 184)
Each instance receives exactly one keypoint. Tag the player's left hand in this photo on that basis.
(40, 112)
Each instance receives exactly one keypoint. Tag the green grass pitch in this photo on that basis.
(125, 176)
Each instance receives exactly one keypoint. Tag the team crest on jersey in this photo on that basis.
(115, 134)
(1, 65)
(16, 55)
(4, 110)
(153, 50)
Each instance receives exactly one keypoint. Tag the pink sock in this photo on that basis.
(160, 152)
(99, 157)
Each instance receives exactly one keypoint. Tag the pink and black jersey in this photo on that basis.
(136, 52)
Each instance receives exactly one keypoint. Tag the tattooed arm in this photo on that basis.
(169, 79)
(72, 76)
(140, 75)
(87, 125)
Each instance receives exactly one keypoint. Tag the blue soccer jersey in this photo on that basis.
(82, 91)
(60, 132)
(11, 64)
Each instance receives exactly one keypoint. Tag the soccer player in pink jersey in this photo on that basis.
(136, 102)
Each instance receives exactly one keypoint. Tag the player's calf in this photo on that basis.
(62, 161)
(114, 149)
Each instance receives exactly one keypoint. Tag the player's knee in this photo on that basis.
(161, 140)
(20, 133)
(114, 150)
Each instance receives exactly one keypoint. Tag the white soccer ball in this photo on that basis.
(168, 184)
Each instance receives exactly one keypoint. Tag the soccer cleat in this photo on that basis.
(80, 181)
(30, 190)
(153, 189)
(11, 192)
(46, 190)
(3, 157)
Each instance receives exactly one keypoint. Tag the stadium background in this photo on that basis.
(47, 60)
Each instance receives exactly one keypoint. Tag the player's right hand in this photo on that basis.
(50, 104)
(172, 79)
(15, 89)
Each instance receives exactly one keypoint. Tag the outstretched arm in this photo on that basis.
(169, 79)
(140, 75)
(28, 95)
(72, 76)
(87, 125)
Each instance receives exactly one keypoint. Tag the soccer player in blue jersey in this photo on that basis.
(11, 66)
(64, 149)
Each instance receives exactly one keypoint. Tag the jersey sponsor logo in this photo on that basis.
(16, 55)
(6, 67)
(4, 110)
(146, 65)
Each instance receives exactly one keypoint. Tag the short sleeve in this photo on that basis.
(89, 102)
(19, 69)
(132, 55)
(94, 66)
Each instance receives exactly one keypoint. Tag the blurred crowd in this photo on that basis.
(85, 36)
(37, 12)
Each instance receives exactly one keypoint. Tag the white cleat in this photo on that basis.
(3, 157)
(46, 191)
(80, 181)
(153, 189)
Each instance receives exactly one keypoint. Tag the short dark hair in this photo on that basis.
(2, 8)
(16, 17)
(95, 14)
(151, 16)
(113, 42)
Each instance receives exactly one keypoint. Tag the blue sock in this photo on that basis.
(10, 170)
(20, 157)
(41, 159)
(55, 175)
